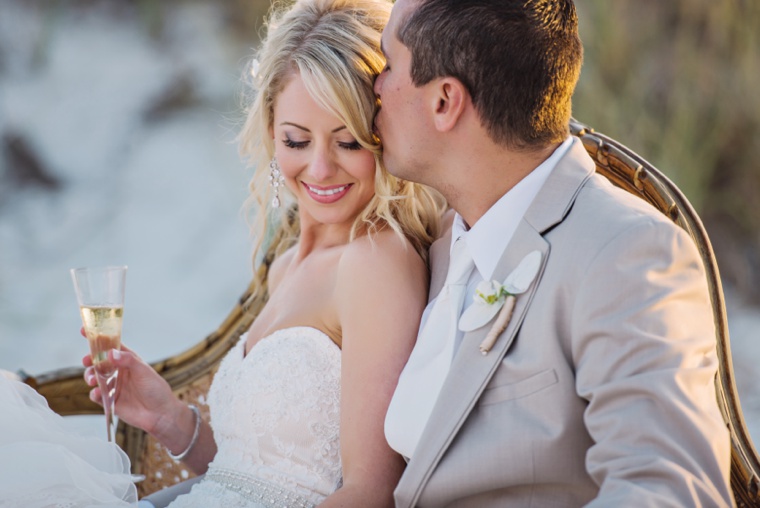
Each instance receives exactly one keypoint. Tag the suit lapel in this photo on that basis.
(471, 371)
(440, 251)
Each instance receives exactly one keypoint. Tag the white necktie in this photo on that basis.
(442, 322)
(421, 381)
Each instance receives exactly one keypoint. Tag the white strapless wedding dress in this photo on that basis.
(44, 464)
(276, 420)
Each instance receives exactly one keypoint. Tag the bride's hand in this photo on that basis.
(143, 398)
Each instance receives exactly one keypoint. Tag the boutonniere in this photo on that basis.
(492, 297)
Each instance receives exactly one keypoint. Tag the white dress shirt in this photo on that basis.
(486, 240)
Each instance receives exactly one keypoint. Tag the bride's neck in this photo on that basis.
(318, 236)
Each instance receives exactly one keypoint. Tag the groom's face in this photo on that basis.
(401, 122)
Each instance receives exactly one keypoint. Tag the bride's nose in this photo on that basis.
(322, 167)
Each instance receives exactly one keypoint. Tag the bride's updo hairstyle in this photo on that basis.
(335, 47)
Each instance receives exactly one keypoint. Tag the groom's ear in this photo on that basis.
(451, 99)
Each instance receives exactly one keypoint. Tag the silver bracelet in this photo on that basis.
(194, 439)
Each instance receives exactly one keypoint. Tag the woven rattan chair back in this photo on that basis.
(190, 372)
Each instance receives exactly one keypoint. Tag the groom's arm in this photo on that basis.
(644, 350)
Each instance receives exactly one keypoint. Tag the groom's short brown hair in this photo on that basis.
(519, 59)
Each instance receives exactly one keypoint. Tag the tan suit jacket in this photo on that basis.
(600, 390)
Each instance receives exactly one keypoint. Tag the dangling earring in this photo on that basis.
(275, 180)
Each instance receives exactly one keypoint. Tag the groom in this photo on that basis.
(599, 388)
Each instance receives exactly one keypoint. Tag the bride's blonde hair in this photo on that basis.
(334, 45)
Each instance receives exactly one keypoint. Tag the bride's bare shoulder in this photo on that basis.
(381, 272)
(384, 254)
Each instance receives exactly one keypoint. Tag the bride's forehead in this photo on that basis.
(296, 104)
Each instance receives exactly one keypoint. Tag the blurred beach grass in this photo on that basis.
(676, 81)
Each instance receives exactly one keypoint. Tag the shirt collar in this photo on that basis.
(488, 238)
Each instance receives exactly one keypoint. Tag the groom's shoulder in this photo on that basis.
(602, 204)
(603, 215)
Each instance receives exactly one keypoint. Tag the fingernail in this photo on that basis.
(116, 354)
(90, 377)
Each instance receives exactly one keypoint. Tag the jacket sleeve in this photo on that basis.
(643, 343)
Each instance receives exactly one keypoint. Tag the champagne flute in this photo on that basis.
(100, 293)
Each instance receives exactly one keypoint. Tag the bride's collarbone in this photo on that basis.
(260, 330)
(303, 296)
(304, 281)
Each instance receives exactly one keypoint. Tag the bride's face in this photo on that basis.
(330, 174)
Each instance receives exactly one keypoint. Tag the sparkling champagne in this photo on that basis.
(100, 293)
(102, 326)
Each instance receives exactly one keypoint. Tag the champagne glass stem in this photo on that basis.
(108, 395)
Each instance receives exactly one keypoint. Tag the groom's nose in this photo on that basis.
(378, 84)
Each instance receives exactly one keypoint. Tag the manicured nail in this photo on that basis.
(116, 354)
(90, 377)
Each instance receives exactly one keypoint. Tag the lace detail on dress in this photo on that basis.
(276, 418)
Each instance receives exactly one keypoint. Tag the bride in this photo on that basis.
(297, 408)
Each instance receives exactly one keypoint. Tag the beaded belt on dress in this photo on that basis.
(256, 489)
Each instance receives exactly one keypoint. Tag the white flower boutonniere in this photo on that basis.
(492, 297)
(490, 292)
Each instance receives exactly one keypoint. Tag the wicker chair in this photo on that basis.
(190, 373)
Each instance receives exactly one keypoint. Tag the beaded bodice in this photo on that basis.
(275, 415)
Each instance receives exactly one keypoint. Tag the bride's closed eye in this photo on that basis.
(298, 145)
(353, 145)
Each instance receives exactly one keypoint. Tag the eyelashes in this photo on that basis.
(300, 145)
(351, 146)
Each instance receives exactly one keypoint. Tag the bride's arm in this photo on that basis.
(380, 295)
(145, 400)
